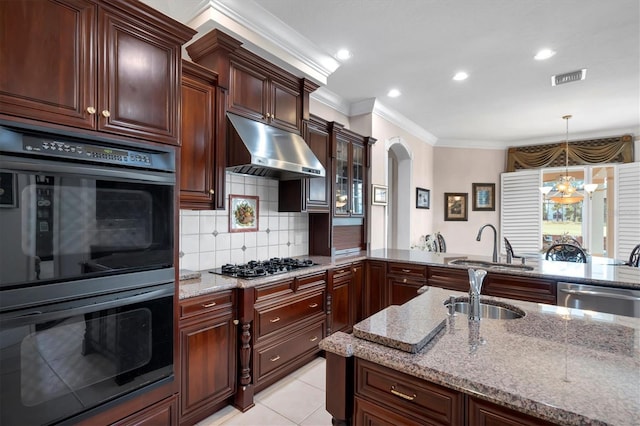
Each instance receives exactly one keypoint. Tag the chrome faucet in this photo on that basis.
(476, 276)
(495, 239)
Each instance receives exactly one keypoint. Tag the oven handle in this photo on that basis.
(42, 166)
(39, 316)
(600, 293)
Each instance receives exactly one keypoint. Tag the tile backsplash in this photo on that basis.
(206, 243)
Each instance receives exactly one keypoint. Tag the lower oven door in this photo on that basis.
(62, 362)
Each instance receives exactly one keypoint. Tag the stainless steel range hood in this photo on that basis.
(257, 149)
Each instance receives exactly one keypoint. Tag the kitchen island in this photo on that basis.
(554, 365)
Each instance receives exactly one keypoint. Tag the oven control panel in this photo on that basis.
(87, 152)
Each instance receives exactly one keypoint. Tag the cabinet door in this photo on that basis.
(342, 175)
(248, 92)
(357, 180)
(357, 288)
(139, 80)
(48, 46)
(285, 107)
(341, 303)
(375, 291)
(208, 358)
(317, 137)
(197, 153)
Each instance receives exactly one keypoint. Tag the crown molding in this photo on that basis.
(264, 34)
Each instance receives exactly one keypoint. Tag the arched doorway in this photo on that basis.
(399, 172)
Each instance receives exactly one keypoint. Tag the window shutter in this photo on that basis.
(521, 211)
(627, 212)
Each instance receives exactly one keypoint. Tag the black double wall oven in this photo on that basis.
(86, 275)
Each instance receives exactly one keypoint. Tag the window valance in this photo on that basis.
(617, 149)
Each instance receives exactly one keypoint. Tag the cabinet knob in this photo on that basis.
(404, 280)
(91, 110)
(211, 191)
(236, 322)
(268, 115)
(106, 114)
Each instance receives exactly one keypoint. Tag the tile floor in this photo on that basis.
(298, 399)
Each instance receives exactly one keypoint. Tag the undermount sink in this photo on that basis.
(488, 309)
(490, 265)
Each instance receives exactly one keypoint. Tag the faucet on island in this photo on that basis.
(495, 240)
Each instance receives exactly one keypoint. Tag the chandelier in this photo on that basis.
(564, 190)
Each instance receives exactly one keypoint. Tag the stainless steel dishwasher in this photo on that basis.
(613, 300)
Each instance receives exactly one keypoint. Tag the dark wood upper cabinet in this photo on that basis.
(201, 186)
(107, 66)
(258, 89)
(313, 194)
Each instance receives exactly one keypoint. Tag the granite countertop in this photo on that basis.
(564, 365)
(196, 283)
(599, 271)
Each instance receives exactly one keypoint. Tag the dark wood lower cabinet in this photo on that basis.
(375, 290)
(366, 393)
(483, 413)
(163, 413)
(208, 337)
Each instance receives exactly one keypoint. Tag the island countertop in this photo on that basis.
(562, 365)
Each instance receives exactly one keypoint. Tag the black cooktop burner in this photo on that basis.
(255, 268)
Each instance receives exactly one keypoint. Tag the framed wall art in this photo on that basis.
(8, 190)
(379, 197)
(455, 205)
(243, 213)
(423, 198)
(484, 196)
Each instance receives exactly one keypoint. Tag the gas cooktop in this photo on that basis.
(262, 268)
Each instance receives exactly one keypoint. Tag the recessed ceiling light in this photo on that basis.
(460, 76)
(544, 54)
(394, 93)
(343, 54)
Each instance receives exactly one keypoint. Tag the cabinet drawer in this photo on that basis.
(279, 355)
(317, 280)
(278, 289)
(407, 269)
(276, 316)
(521, 288)
(408, 395)
(449, 278)
(341, 270)
(206, 304)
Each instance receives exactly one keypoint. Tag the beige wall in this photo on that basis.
(455, 170)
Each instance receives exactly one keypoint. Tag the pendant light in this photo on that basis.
(564, 190)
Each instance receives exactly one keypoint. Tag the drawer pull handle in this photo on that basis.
(209, 305)
(276, 319)
(274, 359)
(314, 338)
(341, 271)
(406, 270)
(404, 280)
(402, 395)
(313, 305)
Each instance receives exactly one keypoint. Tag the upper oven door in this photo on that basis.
(61, 220)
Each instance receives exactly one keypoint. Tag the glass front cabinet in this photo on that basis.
(350, 166)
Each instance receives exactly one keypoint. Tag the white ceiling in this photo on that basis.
(417, 45)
